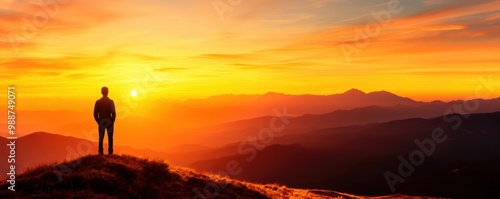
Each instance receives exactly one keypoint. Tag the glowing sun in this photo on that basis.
(133, 93)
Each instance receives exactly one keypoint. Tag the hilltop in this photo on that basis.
(123, 176)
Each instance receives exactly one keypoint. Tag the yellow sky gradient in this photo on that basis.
(68, 49)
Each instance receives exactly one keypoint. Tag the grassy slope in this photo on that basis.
(122, 176)
(130, 177)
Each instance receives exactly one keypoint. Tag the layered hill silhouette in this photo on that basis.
(343, 142)
(354, 159)
(349, 159)
(240, 115)
(227, 135)
(249, 106)
(222, 134)
(122, 176)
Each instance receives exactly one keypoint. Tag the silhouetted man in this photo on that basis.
(105, 115)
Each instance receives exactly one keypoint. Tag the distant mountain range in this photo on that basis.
(188, 121)
(345, 142)
(350, 159)
(354, 159)
(241, 130)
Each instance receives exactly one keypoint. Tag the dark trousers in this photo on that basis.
(103, 125)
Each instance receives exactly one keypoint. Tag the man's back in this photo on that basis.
(104, 108)
(104, 115)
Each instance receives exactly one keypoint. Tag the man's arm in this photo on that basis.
(113, 111)
(96, 114)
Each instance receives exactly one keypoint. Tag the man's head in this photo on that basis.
(104, 91)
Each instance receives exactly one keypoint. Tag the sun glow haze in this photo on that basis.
(133, 93)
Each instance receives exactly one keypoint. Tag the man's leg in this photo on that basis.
(110, 139)
(101, 138)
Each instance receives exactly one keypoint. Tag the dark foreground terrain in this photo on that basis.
(122, 176)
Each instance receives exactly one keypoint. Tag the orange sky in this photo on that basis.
(429, 49)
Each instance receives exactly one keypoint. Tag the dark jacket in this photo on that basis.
(104, 108)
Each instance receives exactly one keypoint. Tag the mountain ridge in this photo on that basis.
(346, 152)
